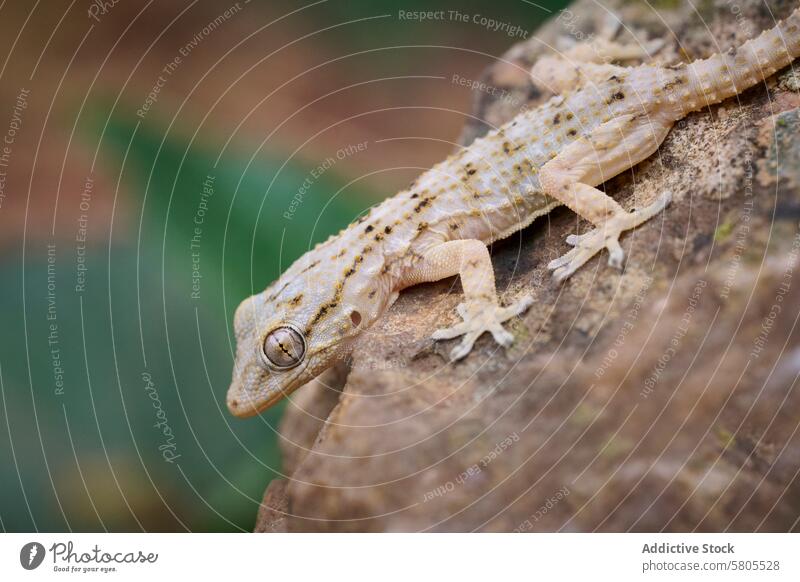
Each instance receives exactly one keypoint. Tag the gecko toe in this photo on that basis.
(564, 259)
(616, 255)
(574, 261)
(576, 239)
(465, 347)
(447, 333)
(563, 273)
(519, 307)
(502, 336)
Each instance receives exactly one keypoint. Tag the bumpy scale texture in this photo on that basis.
(440, 226)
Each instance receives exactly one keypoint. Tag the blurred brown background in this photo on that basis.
(116, 342)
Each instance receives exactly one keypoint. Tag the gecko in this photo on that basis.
(440, 226)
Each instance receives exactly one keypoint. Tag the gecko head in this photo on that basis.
(282, 344)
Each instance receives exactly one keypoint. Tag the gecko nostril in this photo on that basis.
(355, 317)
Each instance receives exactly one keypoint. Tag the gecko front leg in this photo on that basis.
(481, 310)
(572, 175)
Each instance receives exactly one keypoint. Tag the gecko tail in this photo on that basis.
(727, 74)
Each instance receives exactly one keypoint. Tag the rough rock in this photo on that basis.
(272, 513)
(663, 397)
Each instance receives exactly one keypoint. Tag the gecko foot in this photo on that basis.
(606, 236)
(478, 318)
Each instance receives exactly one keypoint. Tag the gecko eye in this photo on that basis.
(284, 347)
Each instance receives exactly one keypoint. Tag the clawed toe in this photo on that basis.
(564, 259)
(465, 347)
(502, 336)
(616, 255)
(575, 239)
(515, 309)
(447, 333)
(564, 266)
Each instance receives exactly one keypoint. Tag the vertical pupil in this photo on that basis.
(286, 344)
(284, 347)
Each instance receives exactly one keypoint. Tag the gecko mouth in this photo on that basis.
(247, 407)
(255, 387)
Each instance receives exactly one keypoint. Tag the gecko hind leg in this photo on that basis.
(606, 236)
(481, 311)
(571, 177)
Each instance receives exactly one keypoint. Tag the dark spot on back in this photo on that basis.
(422, 204)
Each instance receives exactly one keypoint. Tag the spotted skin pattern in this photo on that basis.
(439, 227)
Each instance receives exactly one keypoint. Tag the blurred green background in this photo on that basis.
(117, 350)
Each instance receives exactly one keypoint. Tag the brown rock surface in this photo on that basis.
(663, 397)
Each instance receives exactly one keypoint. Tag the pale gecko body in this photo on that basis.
(555, 154)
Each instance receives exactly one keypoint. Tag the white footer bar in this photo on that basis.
(378, 557)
